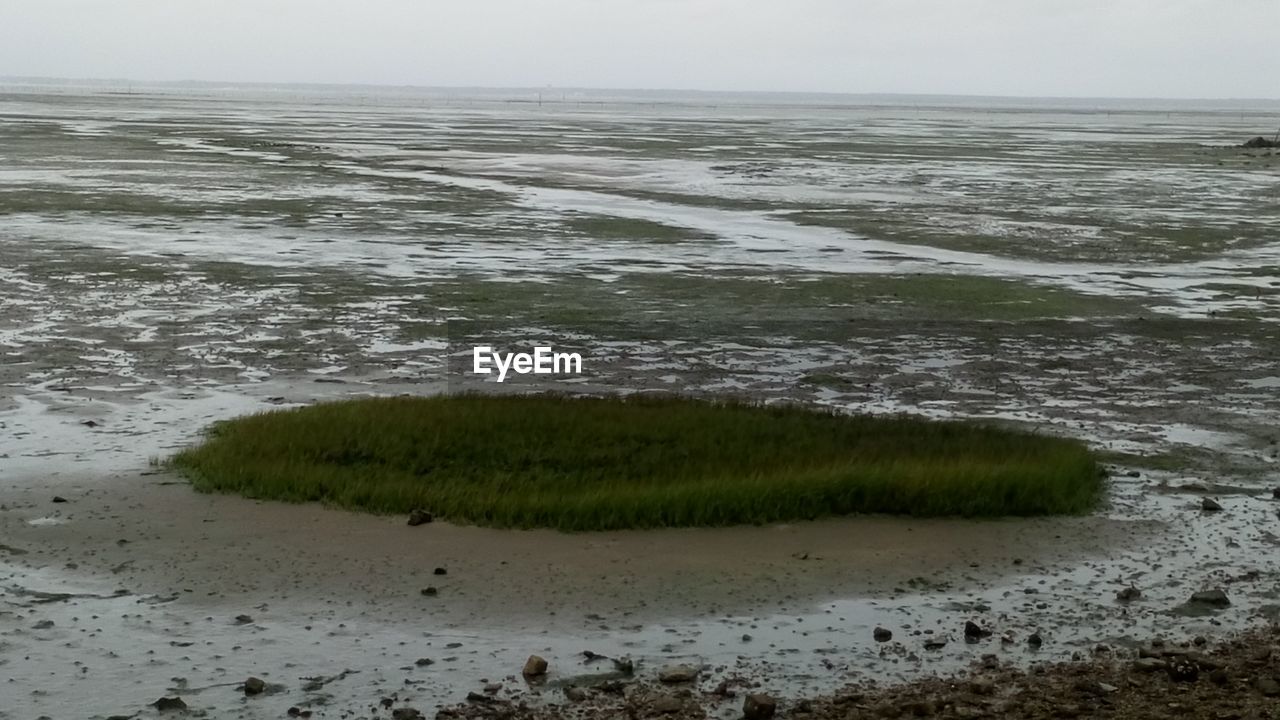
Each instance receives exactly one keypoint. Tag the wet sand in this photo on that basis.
(154, 535)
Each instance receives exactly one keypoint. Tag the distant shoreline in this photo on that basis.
(561, 95)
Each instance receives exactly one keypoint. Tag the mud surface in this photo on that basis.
(173, 260)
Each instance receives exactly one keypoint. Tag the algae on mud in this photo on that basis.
(598, 463)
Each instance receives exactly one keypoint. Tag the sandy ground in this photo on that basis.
(153, 534)
(134, 587)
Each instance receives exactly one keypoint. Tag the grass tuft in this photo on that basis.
(575, 463)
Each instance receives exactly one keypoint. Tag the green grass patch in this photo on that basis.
(640, 462)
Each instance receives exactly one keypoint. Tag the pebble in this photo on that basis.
(759, 706)
(678, 673)
(535, 666)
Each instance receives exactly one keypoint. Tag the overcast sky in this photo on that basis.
(1133, 48)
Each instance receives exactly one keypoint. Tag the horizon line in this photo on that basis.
(561, 88)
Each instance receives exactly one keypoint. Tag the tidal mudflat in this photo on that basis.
(173, 257)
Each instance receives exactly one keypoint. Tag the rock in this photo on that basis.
(42, 625)
(575, 694)
(59, 499)
(624, 665)
(1267, 686)
(666, 705)
(1213, 598)
(439, 571)
(535, 666)
(920, 708)
(430, 591)
(1183, 670)
(1148, 665)
(1260, 143)
(882, 634)
(1275, 494)
(420, 517)
(935, 644)
(493, 688)
(974, 631)
(406, 713)
(982, 687)
(678, 673)
(1210, 505)
(1035, 640)
(1129, 594)
(254, 686)
(424, 662)
(759, 706)
(170, 704)
(243, 619)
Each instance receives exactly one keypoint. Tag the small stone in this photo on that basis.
(493, 688)
(982, 687)
(575, 694)
(624, 665)
(406, 713)
(42, 625)
(535, 666)
(974, 631)
(1183, 670)
(440, 571)
(167, 704)
(430, 591)
(254, 686)
(1213, 598)
(666, 705)
(678, 673)
(420, 517)
(59, 499)
(882, 634)
(1275, 494)
(424, 662)
(1148, 664)
(243, 619)
(1200, 641)
(1129, 594)
(1210, 505)
(1035, 640)
(935, 644)
(759, 706)
(1267, 686)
